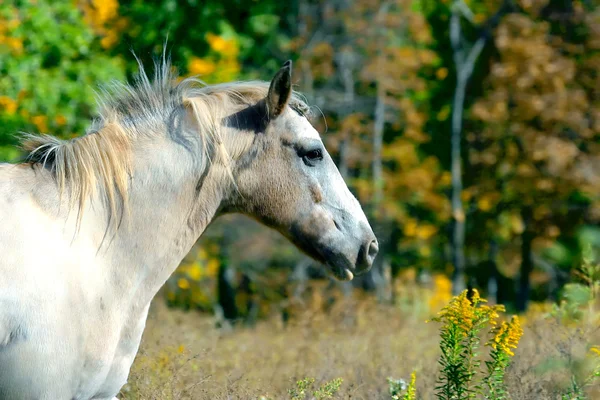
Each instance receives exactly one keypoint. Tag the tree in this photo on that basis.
(536, 146)
(51, 60)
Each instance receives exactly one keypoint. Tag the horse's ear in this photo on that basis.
(280, 91)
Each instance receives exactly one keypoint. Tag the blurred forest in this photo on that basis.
(468, 129)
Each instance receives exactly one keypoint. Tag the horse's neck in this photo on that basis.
(169, 208)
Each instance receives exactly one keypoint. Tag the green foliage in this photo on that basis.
(396, 387)
(577, 389)
(506, 336)
(578, 299)
(254, 26)
(301, 389)
(49, 70)
(325, 391)
(328, 389)
(399, 390)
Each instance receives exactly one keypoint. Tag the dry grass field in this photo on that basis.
(184, 356)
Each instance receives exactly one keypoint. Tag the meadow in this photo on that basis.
(364, 342)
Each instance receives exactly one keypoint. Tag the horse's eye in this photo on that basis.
(312, 156)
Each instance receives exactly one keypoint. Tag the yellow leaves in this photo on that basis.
(426, 231)
(444, 113)
(419, 28)
(484, 204)
(442, 292)
(227, 47)
(60, 120)
(41, 122)
(220, 64)
(7, 27)
(445, 179)
(403, 151)
(441, 73)
(421, 235)
(14, 44)
(488, 201)
(181, 349)
(8, 105)
(516, 223)
(101, 11)
(199, 66)
(103, 17)
(425, 251)
(410, 228)
(546, 185)
(320, 60)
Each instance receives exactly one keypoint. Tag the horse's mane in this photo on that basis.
(101, 159)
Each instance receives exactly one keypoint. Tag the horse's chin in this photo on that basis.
(342, 274)
(338, 263)
(341, 269)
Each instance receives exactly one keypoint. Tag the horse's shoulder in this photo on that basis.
(12, 330)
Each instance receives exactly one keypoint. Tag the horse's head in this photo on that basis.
(288, 181)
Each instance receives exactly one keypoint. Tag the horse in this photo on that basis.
(92, 227)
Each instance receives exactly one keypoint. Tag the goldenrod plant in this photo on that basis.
(411, 391)
(463, 321)
(400, 390)
(506, 338)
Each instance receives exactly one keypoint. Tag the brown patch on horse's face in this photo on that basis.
(288, 181)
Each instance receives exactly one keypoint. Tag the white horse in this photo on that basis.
(91, 228)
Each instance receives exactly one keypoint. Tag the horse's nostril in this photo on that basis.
(373, 249)
(367, 256)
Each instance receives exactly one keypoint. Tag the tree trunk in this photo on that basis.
(464, 68)
(378, 128)
(492, 284)
(526, 259)
(226, 292)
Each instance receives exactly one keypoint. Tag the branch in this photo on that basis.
(467, 68)
(507, 7)
(456, 40)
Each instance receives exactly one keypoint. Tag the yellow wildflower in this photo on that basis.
(411, 390)
(8, 105)
(212, 267)
(194, 271)
(183, 283)
(507, 336)
(467, 314)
